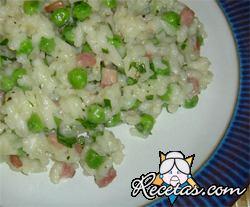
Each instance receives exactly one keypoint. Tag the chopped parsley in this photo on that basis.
(105, 51)
(138, 66)
(4, 42)
(107, 103)
(88, 125)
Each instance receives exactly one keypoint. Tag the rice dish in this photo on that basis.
(72, 69)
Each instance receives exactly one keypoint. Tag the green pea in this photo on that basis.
(95, 114)
(166, 96)
(164, 71)
(68, 35)
(93, 159)
(136, 105)
(191, 103)
(47, 45)
(116, 41)
(113, 121)
(31, 7)
(78, 78)
(110, 3)
(81, 10)
(146, 124)
(7, 83)
(18, 73)
(172, 18)
(26, 47)
(35, 124)
(60, 16)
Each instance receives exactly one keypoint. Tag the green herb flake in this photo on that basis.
(67, 141)
(110, 27)
(105, 51)
(165, 71)
(150, 97)
(31, 63)
(131, 81)
(183, 46)
(87, 124)
(99, 133)
(87, 48)
(54, 74)
(1, 62)
(138, 66)
(116, 41)
(7, 58)
(121, 70)
(45, 61)
(107, 104)
(102, 65)
(153, 76)
(200, 39)
(57, 121)
(21, 153)
(165, 105)
(31, 103)
(4, 42)
(154, 41)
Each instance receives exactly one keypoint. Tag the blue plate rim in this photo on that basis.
(236, 140)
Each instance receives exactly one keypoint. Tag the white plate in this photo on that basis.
(195, 131)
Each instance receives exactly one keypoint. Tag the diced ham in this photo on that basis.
(54, 6)
(195, 83)
(78, 148)
(57, 102)
(149, 56)
(68, 171)
(15, 161)
(107, 179)
(187, 16)
(85, 59)
(53, 140)
(150, 31)
(131, 112)
(109, 77)
(196, 45)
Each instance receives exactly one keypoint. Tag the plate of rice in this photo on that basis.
(91, 91)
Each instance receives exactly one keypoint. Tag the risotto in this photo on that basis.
(71, 70)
